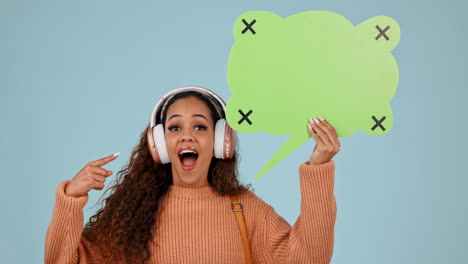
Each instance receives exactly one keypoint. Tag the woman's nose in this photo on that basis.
(187, 136)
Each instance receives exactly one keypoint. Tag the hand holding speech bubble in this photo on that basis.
(281, 72)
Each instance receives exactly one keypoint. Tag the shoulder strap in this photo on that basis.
(237, 209)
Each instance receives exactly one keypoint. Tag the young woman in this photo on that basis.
(172, 202)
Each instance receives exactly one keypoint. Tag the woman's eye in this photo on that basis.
(173, 128)
(200, 127)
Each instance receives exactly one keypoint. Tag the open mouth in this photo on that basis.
(188, 158)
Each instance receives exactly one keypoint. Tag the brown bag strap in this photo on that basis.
(237, 209)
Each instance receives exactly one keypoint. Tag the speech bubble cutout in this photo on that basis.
(283, 71)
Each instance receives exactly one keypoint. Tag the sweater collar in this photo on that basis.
(178, 191)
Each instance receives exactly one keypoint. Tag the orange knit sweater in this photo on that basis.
(198, 226)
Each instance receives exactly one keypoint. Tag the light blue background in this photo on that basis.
(79, 79)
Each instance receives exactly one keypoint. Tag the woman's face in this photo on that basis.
(189, 132)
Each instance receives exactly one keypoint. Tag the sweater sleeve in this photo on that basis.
(64, 242)
(311, 238)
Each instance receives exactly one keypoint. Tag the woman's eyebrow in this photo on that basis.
(200, 115)
(195, 115)
(172, 116)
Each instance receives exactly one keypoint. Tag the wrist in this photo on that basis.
(67, 193)
(314, 163)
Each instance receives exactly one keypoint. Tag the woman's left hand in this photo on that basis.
(327, 143)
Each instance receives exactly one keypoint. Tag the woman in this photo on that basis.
(172, 204)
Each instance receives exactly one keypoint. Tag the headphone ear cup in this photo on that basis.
(152, 146)
(225, 140)
(160, 144)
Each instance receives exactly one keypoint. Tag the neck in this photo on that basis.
(189, 179)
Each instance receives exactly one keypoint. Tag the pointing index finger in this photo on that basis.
(105, 160)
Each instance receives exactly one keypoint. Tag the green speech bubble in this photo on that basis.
(283, 71)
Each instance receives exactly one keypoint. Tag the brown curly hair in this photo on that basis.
(122, 229)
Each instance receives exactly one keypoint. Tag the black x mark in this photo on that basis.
(378, 123)
(382, 33)
(245, 117)
(248, 26)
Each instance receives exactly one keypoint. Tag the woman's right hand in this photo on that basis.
(91, 176)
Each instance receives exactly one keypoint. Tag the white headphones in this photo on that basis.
(224, 137)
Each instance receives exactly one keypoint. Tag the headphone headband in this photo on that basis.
(168, 96)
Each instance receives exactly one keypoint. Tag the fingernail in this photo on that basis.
(310, 127)
(321, 118)
(316, 121)
(116, 154)
(311, 121)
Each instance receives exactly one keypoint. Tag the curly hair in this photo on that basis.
(123, 227)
